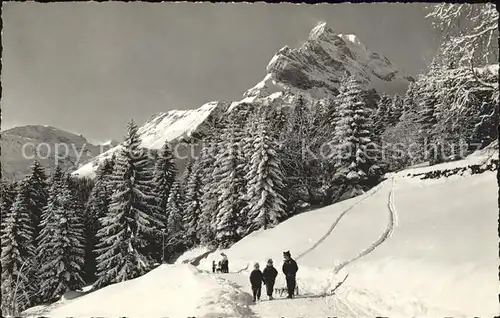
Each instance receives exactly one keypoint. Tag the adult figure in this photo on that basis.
(290, 269)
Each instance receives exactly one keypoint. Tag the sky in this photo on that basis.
(91, 67)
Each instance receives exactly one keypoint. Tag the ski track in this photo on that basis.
(329, 304)
(334, 224)
(387, 233)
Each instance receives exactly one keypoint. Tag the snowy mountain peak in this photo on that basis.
(321, 32)
(318, 66)
(173, 125)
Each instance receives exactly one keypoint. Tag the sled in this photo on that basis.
(284, 291)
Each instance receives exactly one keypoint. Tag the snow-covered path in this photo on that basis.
(389, 230)
(317, 302)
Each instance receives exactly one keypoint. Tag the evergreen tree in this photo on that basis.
(46, 233)
(331, 115)
(17, 253)
(96, 208)
(427, 118)
(131, 221)
(205, 227)
(192, 205)
(7, 197)
(38, 195)
(175, 226)
(228, 181)
(356, 162)
(409, 103)
(381, 118)
(61, 253)
(279, 120)
(165, 172)
(396, 110)
(265, 182)
(183, 180)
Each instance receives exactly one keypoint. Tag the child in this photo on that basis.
(256, 279)
(269, 274)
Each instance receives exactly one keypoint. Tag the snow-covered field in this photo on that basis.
(411, 247)
(169, 290)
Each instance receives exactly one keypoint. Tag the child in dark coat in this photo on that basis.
(256, 280)
(269, 273)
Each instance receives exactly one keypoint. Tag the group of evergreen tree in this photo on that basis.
(43, 239)
(236, 184)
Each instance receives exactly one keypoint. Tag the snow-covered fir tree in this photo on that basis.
(18, 252)
(193, 204)
(396, 110)
(278, 120)
(205, 228)
(355, 149)
(265, 182)
(38, 194)
(7, 197)
(96, 208)
(228, 183)
(409, 103)
(60, 252)
(165, 174)
(183, 180)
(126, 230)
(427, 115)
(382, 114)
(175, 221)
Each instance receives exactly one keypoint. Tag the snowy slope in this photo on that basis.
(411, 248)
(432, 253)
(173, 125)
(317, 67)
(169, 290)
(19, 145)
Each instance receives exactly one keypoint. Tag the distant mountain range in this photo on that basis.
(49, 145)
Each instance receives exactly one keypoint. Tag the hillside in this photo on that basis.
(411, 247)
(172, 126)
